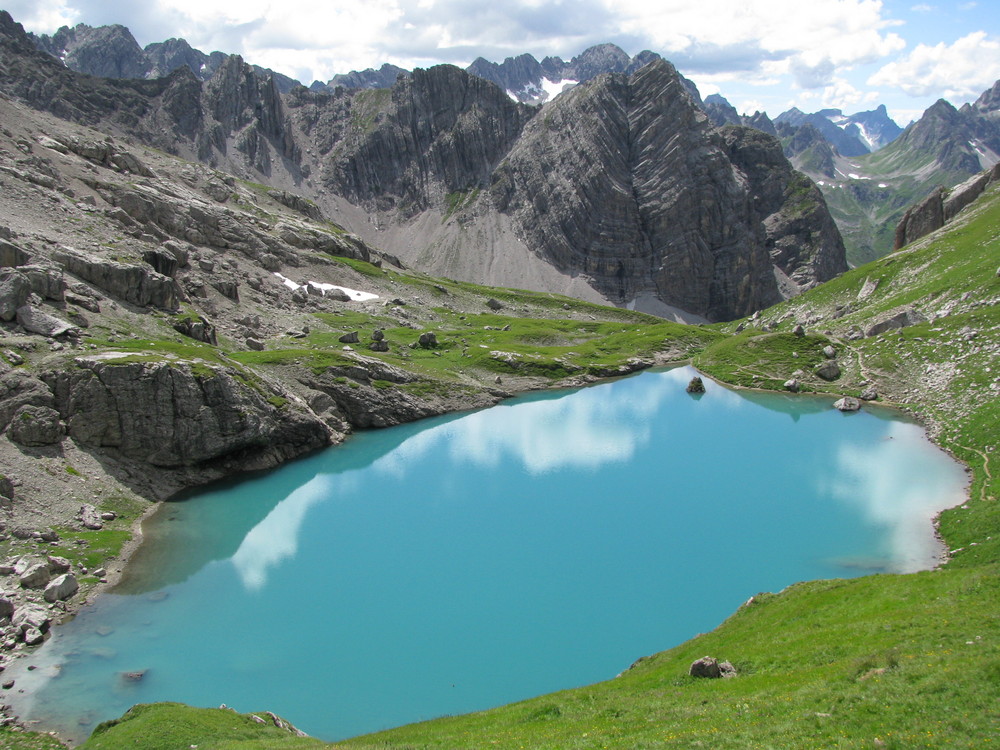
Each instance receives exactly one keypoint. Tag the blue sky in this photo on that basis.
(760, 54)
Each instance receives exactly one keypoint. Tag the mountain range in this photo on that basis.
(620, 191)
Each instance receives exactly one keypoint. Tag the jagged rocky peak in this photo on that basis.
(721, 113)
(112, 52)
(988, 103)
(625, 180)
(440, 131)
(369, 78)
(850, 135)
(105, 51)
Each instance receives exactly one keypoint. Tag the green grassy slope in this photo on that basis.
(904, 661)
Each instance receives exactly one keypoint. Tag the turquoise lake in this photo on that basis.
(477, 559)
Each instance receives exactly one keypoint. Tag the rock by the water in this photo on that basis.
(61, 587)
(847, 403)
(829, 370)
(792, 385)
(696, 385)
(869, 394)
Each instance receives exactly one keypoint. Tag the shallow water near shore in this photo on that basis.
(472, 560)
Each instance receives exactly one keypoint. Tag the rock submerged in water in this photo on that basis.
(696, 385)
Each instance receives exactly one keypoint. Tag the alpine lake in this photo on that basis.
(476, 559)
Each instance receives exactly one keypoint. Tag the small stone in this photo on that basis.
(829, 352)
(379, 346)
(255, 345)
(134, 676)
(108, 515)
(792, 385)
(378, 335)
(869, 393)
(48, 535)
(494, 304)
(799, 330)
(8, 684)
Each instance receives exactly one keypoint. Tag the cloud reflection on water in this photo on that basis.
(584, 429)
(900, 493)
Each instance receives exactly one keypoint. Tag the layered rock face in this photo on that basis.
(438, 132)
(171, 415)
(625, 180)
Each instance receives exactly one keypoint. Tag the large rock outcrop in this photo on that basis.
(626, 181)
(172, 414)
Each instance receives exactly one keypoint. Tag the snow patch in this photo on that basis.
(554, 88)
(354, 294)
(882, 185)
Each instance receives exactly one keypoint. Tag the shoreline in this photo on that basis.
(115, 575)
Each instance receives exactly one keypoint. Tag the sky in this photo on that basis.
(766, 55)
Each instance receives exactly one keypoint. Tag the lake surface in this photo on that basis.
(468, 561)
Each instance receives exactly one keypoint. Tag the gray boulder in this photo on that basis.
(427, 340)
(61, 588)
(90, 518)
(696, 385)
(829, 352)
(14, 290)
(869, 394)
(38, 321)
(31, 616)
(6, 607)
(828, 370)
(35, 425)
(12, 255)
(792, 385)
(349, 338)
(35, 577)
(706, 666)
(908, 317)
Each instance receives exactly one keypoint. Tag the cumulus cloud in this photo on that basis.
(754, 39)
(958, 71)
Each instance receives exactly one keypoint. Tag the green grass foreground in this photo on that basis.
(884, 661)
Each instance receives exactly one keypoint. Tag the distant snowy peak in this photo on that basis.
(851, 135)
(531, 82)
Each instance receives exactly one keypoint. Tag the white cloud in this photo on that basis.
(959, 71)
(922, 8)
